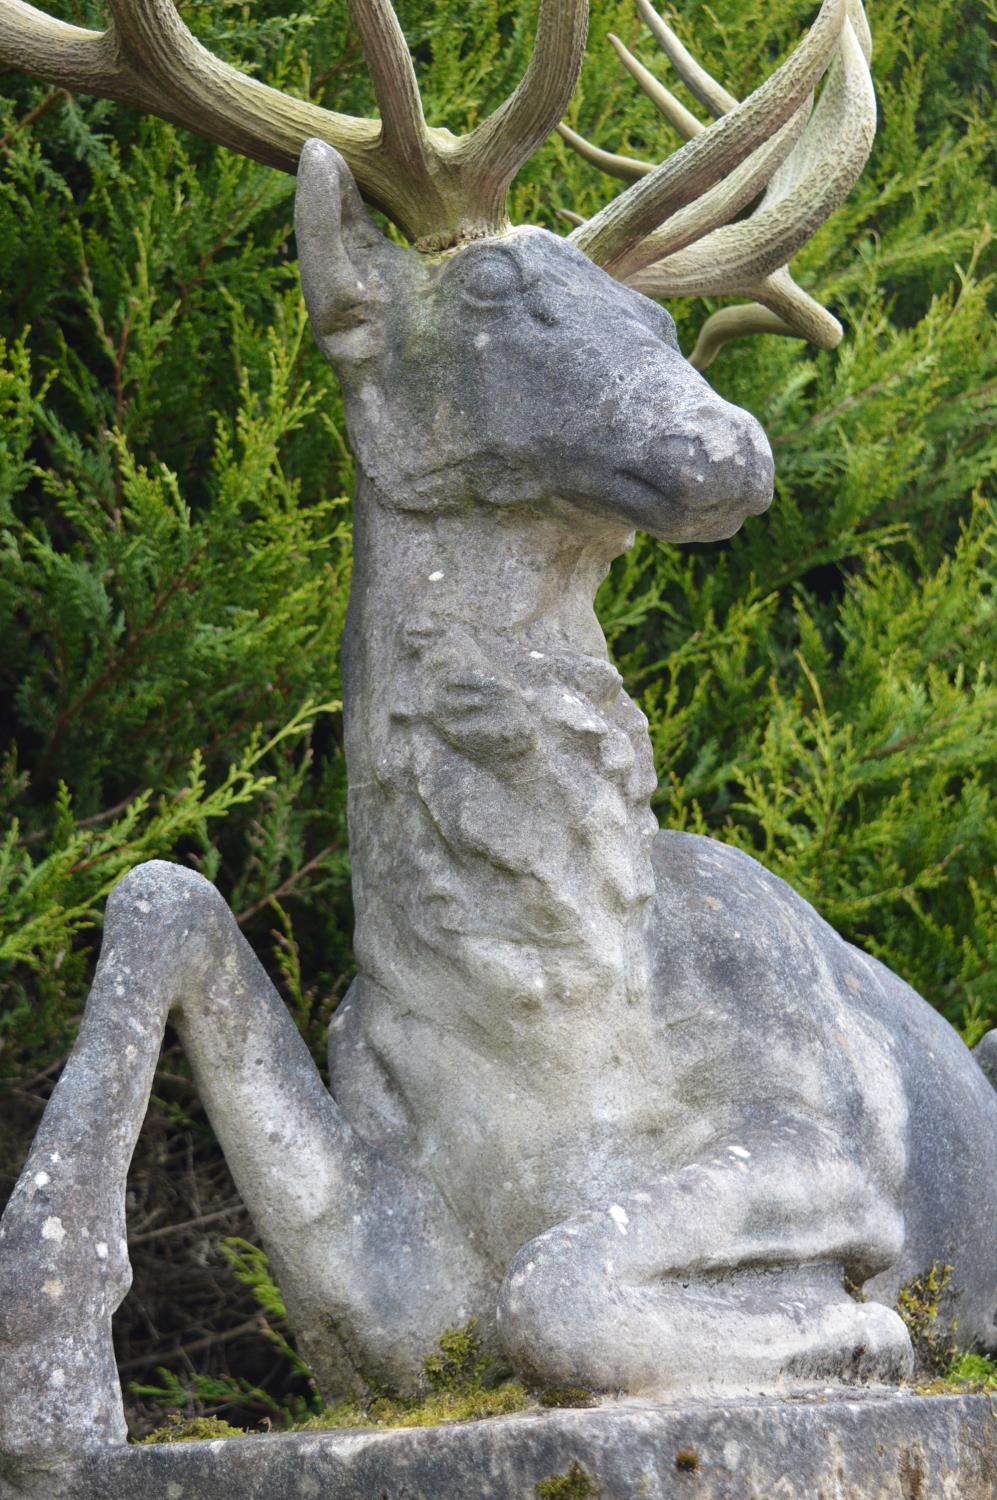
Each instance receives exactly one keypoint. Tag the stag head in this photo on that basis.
(512, 371)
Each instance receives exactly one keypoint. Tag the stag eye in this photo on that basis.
(489, 279)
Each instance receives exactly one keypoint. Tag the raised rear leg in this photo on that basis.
(371, 1262)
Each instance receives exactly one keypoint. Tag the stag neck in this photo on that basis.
(499, 775)
(492, 570)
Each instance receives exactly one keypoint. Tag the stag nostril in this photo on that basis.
(724, 435)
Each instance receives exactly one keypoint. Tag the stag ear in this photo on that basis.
(338, 245)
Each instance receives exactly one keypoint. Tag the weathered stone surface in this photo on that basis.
(635, 1063)
(623, 1096)
(874, 1447)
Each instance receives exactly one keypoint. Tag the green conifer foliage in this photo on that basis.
(175, 543)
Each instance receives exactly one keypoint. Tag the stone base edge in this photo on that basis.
(871, 1446)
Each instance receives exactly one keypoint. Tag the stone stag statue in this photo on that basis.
(618, 1093)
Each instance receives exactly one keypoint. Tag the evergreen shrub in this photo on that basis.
(175, 554)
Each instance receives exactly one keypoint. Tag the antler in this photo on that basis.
(671, 233)
(438, 188)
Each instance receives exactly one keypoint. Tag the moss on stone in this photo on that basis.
(567, 1395)
(942, 1368)
(178, 1429)
(438, 1407)
(454, 1373)
(967, 1375)
(919, 1305)
(575, 1484)
(458, 1363)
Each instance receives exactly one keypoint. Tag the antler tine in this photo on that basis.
(860, 26)
(676, 114)
(734, 323)
(814, 179)
(798, 310)
(680, 118)
(627, 168)
(700, 163)
(389, 62)
(499, 146)
(711, 94)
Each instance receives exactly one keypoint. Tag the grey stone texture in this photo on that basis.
(621, 1095)
(882, 1446)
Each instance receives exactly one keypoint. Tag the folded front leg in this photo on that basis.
(728, 1274)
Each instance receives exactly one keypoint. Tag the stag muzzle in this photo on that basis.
(703, 474)
(694, 466)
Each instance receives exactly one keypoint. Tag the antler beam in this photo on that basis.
(439, 189)
(612, 238)
(812, 182)
(726, 198)
(56, 51)
(147, 58)
(806, 166)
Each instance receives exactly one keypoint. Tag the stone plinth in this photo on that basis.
(885, 1445)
